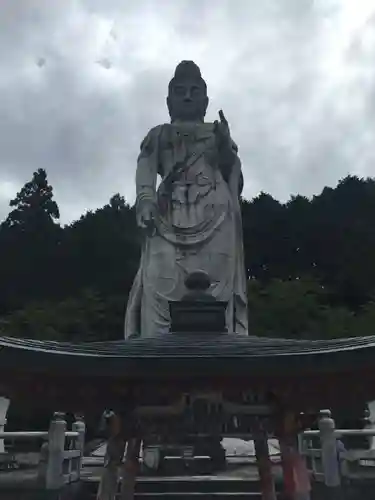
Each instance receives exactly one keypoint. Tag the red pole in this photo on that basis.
(287, 467)
(267, 481)
(130, 469)
(295, 473)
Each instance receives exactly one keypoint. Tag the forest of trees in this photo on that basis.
(310, 263)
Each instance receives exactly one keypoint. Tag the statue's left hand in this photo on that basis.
(222, 131)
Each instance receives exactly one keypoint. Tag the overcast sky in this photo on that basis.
(82, 81)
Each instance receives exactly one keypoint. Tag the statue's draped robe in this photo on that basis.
(197, 227)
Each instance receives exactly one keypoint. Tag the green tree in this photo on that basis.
(101, 250)
(264, 229)
(330, 237)
(29, 238)
(34, 207)
(296, 308)
(310, 260)
(84, 318)
(342, 239)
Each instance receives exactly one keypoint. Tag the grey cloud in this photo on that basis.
(82, 82)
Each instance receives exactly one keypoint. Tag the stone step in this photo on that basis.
(197, 496)
(181, 495)
(188, 496)
(180, 488)
(189, 484)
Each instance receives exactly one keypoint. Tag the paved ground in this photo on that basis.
(18, 479)
(26, 475)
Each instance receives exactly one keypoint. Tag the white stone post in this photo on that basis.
(330, 459)
(80, 427)
(4, 405)
(56, 447)
(370, 425)
(42, 466)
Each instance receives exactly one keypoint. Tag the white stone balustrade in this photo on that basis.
(330, 462)
(4, 405)
(61, 454)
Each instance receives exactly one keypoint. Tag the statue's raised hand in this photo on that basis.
(222, 131)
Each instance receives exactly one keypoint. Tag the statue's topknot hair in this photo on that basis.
(187, 70)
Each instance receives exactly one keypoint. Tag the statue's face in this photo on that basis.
(187, 101)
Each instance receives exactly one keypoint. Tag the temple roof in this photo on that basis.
(179, 351)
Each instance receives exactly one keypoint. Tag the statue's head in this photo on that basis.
(187, 93)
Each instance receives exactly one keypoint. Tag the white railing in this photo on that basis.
(61, 455)
(24, 435)
(329, 461)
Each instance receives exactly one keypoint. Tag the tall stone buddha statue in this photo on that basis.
(192, 220)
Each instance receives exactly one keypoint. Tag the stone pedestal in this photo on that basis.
(4, 405)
